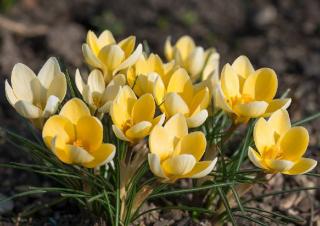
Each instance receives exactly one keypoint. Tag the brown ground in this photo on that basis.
(284, 35)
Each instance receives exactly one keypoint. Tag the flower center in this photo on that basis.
(243, 99)
(273, 153)
(96, 101)
(126, 125)
(78, 143)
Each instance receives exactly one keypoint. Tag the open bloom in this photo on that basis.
(95, 92)
(36, 97)
(105, 53)
(280, 146)
(248, 93)
(175, 153)
(182, 97)
(199, 63)
(133, 118)
(75, 136)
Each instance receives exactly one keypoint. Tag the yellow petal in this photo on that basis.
(294, 143)
(168, 49)
(262, 85)
(132, 59)
(279, 165)
(21, 78)
(89, 131)
(176, 126)
(263, 135)
(144, 109)
(179, 165)
(185, 45)
(59, 127)
(139, 130)
(194, 144)
(90, 57)
(181, 83)
(27, 110)
(92, 41)
(61, 151)
(158, 90)
(155, 167)
(277, 104)
(197, 119)
(243, 66)
(229, 82)
(111, 56)
(255, 158)
(253, 109)
(127, 45)
(96, 81)
(103, 155)
(211, 69)
(118, 132)
(159, 120)
(280, 122)
(160, 142)
(174, 104)
(304, 165)
(201, 99)
(202, 169)
(195, 62)
(74, 109)
(11, 97)
(105, 38)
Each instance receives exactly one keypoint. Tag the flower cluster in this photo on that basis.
(146, 96)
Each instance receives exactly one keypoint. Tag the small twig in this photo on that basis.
(23, 29)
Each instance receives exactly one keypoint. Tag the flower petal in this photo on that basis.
(27, 110)
(185, 46)
(103, 155)
(155, 167)
(168, 49)
(130, 60)
(144, 109)
(243, 66)
(48, 72)
(51, 106)
(139, 130)
(79, 155)
(263, 135)
(277, 104)
(304, 165)
(111, 56)
(253, 109)
(195, 62)
(118, 132)
(181, 83)
(159, 120)
(255, 158)
(294, 143)
(202, 169)
(105, 38)
(90, 57)
(220, 99)
(21, 78)
(177, 126)
(58, 87)
(230, 82)
(179, 165)
(194, 144)
(89, 131)
(280, 122)
(79, 81)
(279, 165)
(262, 85)
(174, 104)
(74, 109)
(197, 119)
(11, 97)
(160, 142)
(127, 45)
(96, 81)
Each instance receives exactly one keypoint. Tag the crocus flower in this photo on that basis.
(95, 93)
(184, 98)
(199, 63)
(248, 93)
(75, 136)
(105, 53)
(133, 118)
(176, 154)
(280, 146)
(36, 97)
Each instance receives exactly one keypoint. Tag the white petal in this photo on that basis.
(89, 56)
(58, 87)
(79, 155)
(130, 60)
(197, 119)
(27, 110)
(79, 81)
(207, 170)
(220, 99)
(255, 158)
(119, 133)
(51, 106)
(48, 71)
(155, 167)
(96, 81)
(11, 97)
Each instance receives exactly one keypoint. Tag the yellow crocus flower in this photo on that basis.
(180, 96)
(280, 146)
(96, 94)
(248, 93)
(176, 154)
(199, 63)
(75, 136)
(105, 53)
(133, 118)
(36, 97)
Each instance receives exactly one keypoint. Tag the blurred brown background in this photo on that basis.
(283, 35)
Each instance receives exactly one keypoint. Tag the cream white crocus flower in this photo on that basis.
(280, 146)
(133, 118)
(199, 63)
(96, 94)
(175, 153)
(109, 56)
(180, 96)
(248, 93)
(36, 97)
